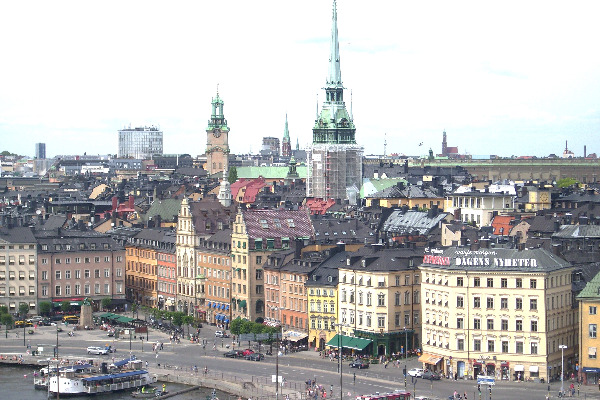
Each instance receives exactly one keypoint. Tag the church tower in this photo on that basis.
(225, 191)
(334, 159)
(217, 139)
(286, 145)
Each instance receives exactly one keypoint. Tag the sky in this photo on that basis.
(504, 78)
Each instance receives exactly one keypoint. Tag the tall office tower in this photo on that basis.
(40, 151)
(334, 159)
(286, 145)
(140, 142)
(217, 139)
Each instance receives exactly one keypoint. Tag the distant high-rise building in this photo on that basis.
(286, 145)
(40, 151)
(334, 160)
(270, 146)
(217, 139)
(140, 142)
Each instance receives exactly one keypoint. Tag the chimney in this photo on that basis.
(115, 203)
(520, 246)
(131, 201)
(556, 249)
(475, 245)
(484, 243)
(556, 226)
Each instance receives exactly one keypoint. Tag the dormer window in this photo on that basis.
(330, 278)
(264, 224)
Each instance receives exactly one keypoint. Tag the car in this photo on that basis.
(255, 357)
(20, 324)
(35, 319)
(110, 349)
(221, 334)
(433, 376)
(110, 333)
(233, 354)
(416, 372)
(247, 352)
(359, 364)
(97, 350)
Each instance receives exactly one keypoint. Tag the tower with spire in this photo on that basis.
(217, 139)
(286, 145)
(334, 159)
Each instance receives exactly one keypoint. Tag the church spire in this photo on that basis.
(335, 73)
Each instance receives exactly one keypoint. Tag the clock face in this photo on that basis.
(216, 132)
(544, 197)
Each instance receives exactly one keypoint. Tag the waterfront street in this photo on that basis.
(295, 368)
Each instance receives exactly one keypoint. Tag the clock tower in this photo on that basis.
(217, 139)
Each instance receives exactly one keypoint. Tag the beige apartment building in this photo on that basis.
(18, 269)
(497, 312)
(589, 342)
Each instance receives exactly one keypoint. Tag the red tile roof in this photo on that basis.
(318, 206)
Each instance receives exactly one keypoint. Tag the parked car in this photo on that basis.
(110, 333)
(97, 350)
(233, 354)
(359, 364)
(221, 334)
(247, 352)
(255, 357)
(416, 372)
(434, 376)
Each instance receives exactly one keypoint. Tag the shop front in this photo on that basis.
(505, 371)
(478, 369)
(432, 362)
(591, 375)
(519, 372)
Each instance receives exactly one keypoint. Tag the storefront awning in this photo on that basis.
(429, 359)
(293, 336)
(349, 342)
(533, 368)
(519, 368)
(359, 343)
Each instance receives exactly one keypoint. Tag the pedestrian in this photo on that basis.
(465, 396)
(146, 364)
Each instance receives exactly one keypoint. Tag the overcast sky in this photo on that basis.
(504, 77)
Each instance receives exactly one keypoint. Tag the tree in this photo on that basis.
(45, 307)
(235, 326)
(233, 176)
(567, 182)
(106, 302)
(7, 320)
(187, 320)
(3, 310)
(177, 318)
(23, 309)
(65, 306)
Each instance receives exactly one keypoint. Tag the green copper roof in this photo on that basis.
(166, 208)
(371, 186)
(590, 291)
(269, 172)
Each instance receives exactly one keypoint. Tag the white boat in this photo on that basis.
(122, 375)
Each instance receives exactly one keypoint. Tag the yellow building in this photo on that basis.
(499, 312)
(589, 303)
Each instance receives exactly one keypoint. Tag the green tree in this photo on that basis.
(187, 320)
(65, 306)
(567, 182)
(45, 307)
(3, 310)
(106, 302)
(7, 320)
(233, 176)
(235, 326)
(23, 310)
(177, 318)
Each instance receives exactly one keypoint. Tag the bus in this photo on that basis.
(397, 395)
(71, 319)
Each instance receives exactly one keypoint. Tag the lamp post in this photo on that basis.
(277, 360)
(562, 348)
(405, 354)
(340, 326)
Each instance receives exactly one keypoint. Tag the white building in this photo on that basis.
(140, 142)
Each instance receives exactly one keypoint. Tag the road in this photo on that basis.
(296, 368)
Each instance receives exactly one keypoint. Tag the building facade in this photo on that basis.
(217, 139)
(497, 312)
(167, 273)
(140, 142)
(40, 151)
(479, 208)
(18, 269)
(589, 342)
(334, 159)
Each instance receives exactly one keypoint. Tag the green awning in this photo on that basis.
(349, 342)
(124, 319)
(105, 315)
(335, 341)
(359, 343)
(242, 304)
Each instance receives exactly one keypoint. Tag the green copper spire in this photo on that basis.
(217, 119)
(286, 132)
(334, 125)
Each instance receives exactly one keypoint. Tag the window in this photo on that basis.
(477, 302)
(381, 299)
(68, 274)
(519, 347)
(490, 282)
(57, 275)
(459, 302)
(459, 281)
(504, 303)
(593, 310)
(519, 283)
(57, 290)
(532, 284)
(107, 273)
(460, 344)
(490, 302)
(504, 325)
(44, 275)
(476, 282)
(86, 289)
(592, 353)
(490, 324)
(490, 346)
(503, 283)
(518, 325)
(67, 290)
(505, 346)
(593, 329)
(477, 345)
(77, 288)
(534, 326)
(534, 348)
(459, 323)
(519, 304)
(97, 273)
(533, 304)
(477, 324)
(86, 274)
(77, 274)
(381, 321)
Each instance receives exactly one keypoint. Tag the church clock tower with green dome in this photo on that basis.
(217, 139)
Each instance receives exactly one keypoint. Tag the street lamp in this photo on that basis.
(340, 354)
(405, 353)
(277, 358)
(562, 348)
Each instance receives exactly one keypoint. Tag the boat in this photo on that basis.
(148, 393)
(122, 375)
